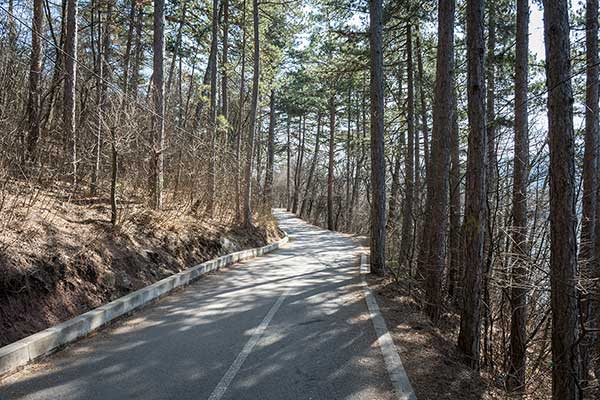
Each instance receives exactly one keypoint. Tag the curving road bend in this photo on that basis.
(290, 325)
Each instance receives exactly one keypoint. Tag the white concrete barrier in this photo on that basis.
(24, 351)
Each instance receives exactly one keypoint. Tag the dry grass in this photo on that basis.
(59, 256)
(428, 352)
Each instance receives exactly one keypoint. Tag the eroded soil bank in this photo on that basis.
(59, 259)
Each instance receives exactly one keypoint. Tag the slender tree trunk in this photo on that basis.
(138, 51)
(268, 189)
(491, 179)
(99, 91)
(12, 34)
(258, 152)
(70, 85)
(57, 74)
(158, 91)
(377, 140)
(454, 234)
(313, 166)
(518, 295)
(393, 217)
(437, 178)
(330, 216)
(238, 208)
(409, 164)
(212, 119)
(206, 81)
(288, 203)
(225, 59)
(475, 210)
(424, 128)
(113, 177)
(176, 51)
(128, 45)
(298, 172)
(348, 155)
(563, 220)
(35, 72)
(589, 265)
(253, 109)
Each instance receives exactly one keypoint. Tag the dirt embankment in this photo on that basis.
(59, 259)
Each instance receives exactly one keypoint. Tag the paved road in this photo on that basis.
(289, 325)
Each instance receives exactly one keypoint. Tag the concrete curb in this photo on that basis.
(402, 388)
(24, 351)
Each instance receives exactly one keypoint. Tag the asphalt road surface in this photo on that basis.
(290, 325)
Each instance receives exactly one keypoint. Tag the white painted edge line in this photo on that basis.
(30, 348)
(226, 380)
(396, 371)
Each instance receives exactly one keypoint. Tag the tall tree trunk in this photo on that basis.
(12, 33)
(392, 218)
(128, 45)
(158, 91)
(206, 81)
(437, 178)
(409, 164)
(138, 51)
(176, 51)
(589, 266)
(475, 210)
(518, 295)
(253, 109)
(348, 156)
(421, 80)
(268, 189)
(104, 75)
(377, 140)
(35, 72)
(258, 152)
(57, 74)
(491, 179)
(240, 130)
(299, 162)
(97, 51)
(70, 85)
(288, 203)
(563, 220)
(212, 119)
(454, 233)
(330, 216)
(311, 172)
(225, 60)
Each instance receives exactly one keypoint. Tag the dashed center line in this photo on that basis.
(226, 380)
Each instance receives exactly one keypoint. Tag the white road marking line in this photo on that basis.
(400, 381)
(226, 380)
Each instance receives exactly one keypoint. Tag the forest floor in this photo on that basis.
(429, 352)
(60, 257)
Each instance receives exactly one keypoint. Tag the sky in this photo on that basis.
(536, 31)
